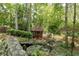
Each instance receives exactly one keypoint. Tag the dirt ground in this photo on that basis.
(61, 38)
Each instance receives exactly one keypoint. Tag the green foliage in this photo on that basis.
(20, 33)
(3, 48)
(20, 39)
(56, 19)
(42, 15)
(37, 50)
(63, 45)
(54, 27)
(38, 53)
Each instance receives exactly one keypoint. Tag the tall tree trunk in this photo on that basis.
(28, 16)
(73, 30)
(16, 18)
(66, 20)
(32, 14)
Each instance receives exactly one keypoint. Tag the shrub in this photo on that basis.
(19, 33)
(37, 50)
(55, 26)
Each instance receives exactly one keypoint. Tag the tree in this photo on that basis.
(56, 19)
(16, 18)
(73, 30)
(66, 21)
(28, 16)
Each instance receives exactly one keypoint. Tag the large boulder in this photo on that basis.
(9, 46)
(37, 50)
(14, 47)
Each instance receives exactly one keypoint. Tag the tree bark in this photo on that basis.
(66, 21)
(16, 18)
(73, 30)
(28, 16)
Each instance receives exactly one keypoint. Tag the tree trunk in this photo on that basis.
(73, 30)
(66, 20)
(16, 18)
(28, 16)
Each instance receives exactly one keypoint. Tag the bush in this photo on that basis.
(37, 50)
(19, 33)
(55, 26)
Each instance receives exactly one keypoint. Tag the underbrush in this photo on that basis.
(58, 47)
(19, 33)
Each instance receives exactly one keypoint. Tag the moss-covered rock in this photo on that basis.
(37, 50)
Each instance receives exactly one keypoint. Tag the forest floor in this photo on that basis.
(39, 50)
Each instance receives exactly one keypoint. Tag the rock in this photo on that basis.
(37, 50)
(3, 48)
(14, 47)
(9, 46)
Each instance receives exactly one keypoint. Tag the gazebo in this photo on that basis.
(37, 32)
(3, 29)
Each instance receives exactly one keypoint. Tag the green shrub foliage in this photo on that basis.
(19, 33)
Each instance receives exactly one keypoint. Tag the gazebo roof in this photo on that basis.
(37, 28)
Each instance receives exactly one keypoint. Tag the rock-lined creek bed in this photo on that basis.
(38, 47)
(10, 46)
